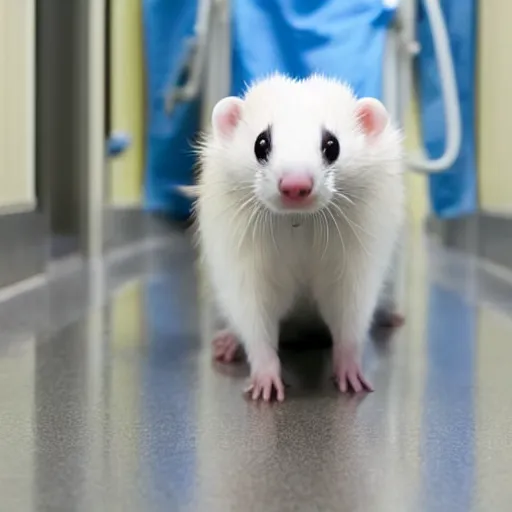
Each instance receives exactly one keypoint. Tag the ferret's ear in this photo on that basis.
(372, 116)
(226, 116)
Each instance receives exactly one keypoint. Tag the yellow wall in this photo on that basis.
(17, 106)
(494, 84)
(417, 199)
(127, 99)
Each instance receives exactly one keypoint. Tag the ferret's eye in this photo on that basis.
(263, 146)
(330, 147)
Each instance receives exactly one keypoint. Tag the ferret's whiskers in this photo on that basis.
(353, 199)
(241, 206)
(259, 225)
(317, 230)
(325, 226)
(344, 197)
(350, 225)
(248, 204)
(341, 240)
(272, 234)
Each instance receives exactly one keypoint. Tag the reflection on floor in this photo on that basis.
(109, 401)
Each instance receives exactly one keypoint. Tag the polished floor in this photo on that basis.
(109, 400)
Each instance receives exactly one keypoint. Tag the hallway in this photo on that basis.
(109, 400)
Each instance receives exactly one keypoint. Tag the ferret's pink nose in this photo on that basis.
(296, 187)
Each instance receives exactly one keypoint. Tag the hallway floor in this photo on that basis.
(109, 401)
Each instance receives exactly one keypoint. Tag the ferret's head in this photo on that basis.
(297, 145)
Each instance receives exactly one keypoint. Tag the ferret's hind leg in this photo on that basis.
(387, 315)
(387, 318)
(226, 347)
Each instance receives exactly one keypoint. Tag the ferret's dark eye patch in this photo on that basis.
(263, 146)
(330, 147)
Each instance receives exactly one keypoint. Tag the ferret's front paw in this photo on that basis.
(226, 347)
(265, 384)
(347, 371)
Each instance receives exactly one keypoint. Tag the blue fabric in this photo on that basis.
(167, 26)
(454, 192)
(117, 144)
(344, 39)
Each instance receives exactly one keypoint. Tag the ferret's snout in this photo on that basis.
(296, 187)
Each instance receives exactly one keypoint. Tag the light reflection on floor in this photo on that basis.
(120, 408)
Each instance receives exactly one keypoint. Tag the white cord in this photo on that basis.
(449, 93)
(195, 58)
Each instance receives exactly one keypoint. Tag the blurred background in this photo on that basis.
(101, 100)
(108, 399)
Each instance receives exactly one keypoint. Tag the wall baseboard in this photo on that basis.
(485, 235)
(125, 226)
(24, 246)
(26, 261)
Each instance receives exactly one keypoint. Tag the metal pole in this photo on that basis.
(217, 73)
(92, 55)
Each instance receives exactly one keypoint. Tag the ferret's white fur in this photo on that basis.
(262, 261)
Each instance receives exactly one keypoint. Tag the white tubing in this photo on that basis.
(449, 92)
(198, 47)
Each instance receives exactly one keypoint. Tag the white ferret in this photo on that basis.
(300, 200)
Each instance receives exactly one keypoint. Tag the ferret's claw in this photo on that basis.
(225, 347)
(263, 384)
(348, 374)
(352, 380)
